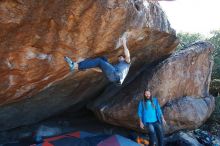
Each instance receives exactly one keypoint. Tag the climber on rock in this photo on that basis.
(115, 73)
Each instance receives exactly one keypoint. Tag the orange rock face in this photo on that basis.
(36, 35)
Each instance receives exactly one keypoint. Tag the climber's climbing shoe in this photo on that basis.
(70, 62)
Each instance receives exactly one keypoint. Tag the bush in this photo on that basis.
(216, 112)
(215, 87)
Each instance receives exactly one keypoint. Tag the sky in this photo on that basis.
(193, 16)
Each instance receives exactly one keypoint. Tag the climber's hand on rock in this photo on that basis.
(124, 40)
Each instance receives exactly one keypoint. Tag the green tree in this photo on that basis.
(215, 40)
(188, 38)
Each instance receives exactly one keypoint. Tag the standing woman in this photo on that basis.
(151, 117)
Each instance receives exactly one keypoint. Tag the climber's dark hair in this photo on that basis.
(151, 97)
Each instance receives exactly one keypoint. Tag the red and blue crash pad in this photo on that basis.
(62, 140)
(77, 134)
(117, 140)
(81, 138)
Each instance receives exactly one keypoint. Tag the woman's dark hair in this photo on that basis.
(151, 98)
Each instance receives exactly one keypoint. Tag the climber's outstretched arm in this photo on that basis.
(126, 51)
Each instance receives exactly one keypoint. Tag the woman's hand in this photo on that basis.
(141, 125)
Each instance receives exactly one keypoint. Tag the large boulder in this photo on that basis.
(36, 35)
(181, 84)
(188, 112)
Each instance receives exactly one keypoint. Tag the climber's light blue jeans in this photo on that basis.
(155, 129)
(102, 63)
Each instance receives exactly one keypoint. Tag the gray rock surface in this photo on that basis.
(182, 139)
(181, 83)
